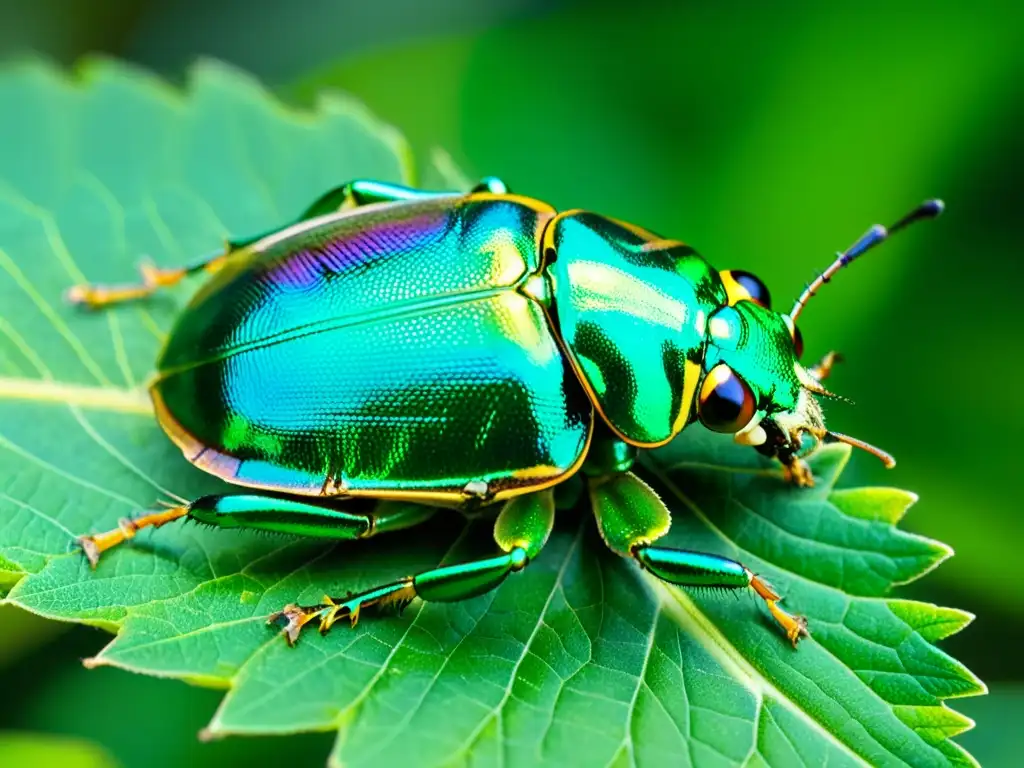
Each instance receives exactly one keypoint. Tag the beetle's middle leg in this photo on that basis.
(521, 530)
(631, 517)
(276, 514)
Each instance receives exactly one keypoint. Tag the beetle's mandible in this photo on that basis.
(395, 351)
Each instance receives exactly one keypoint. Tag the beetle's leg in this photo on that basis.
(630, 517)
(521, 530)
(491, 184)
(360, 192)
(796, 471)
(96, 544)
(823, 368)
(352, 194)
(153, 279)
(320, 519)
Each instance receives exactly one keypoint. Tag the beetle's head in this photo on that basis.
(754, 385)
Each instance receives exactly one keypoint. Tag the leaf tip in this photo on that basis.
(940, 553)
(875, 504)
(932, 622)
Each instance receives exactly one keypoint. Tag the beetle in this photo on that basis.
(395, 351)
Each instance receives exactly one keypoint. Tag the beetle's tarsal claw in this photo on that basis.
(99, 296)
(82, 295)
(798, 473)
(96, 544)
(92, 552)
(292, 618)
(794, 626)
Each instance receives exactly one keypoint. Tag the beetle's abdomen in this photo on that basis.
(386, 351)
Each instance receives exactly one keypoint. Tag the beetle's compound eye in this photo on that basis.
(740, 285)
(726, 403)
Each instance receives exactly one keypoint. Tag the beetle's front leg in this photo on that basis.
(781, 446)
(796, 471)
(521, 530)
(630, 517)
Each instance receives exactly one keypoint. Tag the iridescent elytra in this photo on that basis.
(396, 351)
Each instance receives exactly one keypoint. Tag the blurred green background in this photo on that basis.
(768, 137)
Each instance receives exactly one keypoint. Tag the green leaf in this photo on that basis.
(17, 749)
(579, 659)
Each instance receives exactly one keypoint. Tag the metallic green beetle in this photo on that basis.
(423, 350)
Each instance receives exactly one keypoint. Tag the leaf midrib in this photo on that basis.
(703, 630)
(684, 611)
(111, 399)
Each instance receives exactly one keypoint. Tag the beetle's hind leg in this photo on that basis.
(521, 530)
(352, 194)
(630, 517)
(275, 514)
(492, 184)
(360, 192)
(153, 279)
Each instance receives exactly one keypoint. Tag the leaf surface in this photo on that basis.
(18, 748)
(581, 658)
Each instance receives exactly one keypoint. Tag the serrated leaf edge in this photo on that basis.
(738, 663)
(957, 617)
(134, 401)
(907, 499)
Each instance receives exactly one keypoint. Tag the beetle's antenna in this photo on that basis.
(886, 458)
(929, 209)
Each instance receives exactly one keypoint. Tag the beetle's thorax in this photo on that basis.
(632, 309)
